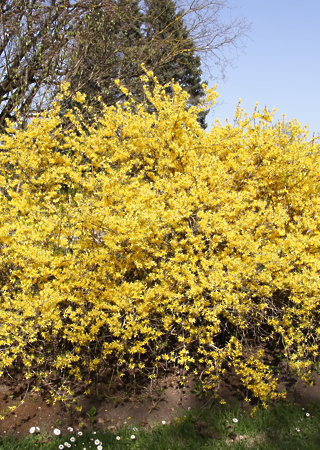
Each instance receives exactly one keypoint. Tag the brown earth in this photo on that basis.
(161, 401)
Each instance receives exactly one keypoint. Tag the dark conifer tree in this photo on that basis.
(92, 42)
(175, 57)
(116, 38)
(106, 49)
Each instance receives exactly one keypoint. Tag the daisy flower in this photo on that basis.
(235, 420)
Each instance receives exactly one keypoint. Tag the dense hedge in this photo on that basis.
(140, 240)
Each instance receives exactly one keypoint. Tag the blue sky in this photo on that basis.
(280, 65)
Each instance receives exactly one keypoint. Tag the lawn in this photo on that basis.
(284, 426)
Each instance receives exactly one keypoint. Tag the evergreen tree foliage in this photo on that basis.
(105, 50)
(176, 57)
(91, 43)
(117, 38)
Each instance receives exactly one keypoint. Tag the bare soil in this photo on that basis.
(161, 400)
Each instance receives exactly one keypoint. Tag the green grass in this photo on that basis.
(211, 428)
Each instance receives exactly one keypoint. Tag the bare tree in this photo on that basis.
(106, 46)
(104, 51)
(43, 42)
(34, 39)
(211, 33)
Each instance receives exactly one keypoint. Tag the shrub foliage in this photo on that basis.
(139, 240)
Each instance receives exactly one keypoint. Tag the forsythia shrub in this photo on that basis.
(140, 240)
